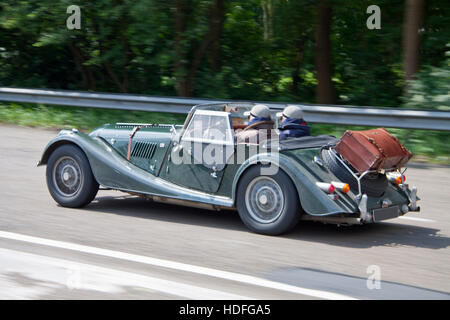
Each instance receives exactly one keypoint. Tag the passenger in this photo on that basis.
(260, 126)
(292, 123)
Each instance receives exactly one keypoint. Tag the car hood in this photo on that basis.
(118, 135)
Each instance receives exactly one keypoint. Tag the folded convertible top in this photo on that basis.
(308, 142)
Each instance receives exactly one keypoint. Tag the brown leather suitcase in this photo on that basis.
(372, 150)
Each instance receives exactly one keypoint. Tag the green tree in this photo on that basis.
(431, 89)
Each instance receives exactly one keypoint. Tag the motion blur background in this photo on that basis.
(258, 50)
(270, 50)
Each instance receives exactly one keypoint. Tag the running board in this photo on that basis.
(345, 221)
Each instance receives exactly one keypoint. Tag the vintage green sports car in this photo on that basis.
(272, 185)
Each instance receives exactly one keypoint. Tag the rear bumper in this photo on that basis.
(372, 215)
(388, 211)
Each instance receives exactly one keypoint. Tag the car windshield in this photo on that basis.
(209, 126)
(235, 113)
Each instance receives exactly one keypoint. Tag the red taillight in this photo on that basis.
(331, 189)
(327, 187)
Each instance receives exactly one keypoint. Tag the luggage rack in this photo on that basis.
(358, 176)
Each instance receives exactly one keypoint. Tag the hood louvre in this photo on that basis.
(143, 149)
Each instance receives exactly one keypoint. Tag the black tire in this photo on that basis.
(69, 177)
(285, 217)
(373, 185)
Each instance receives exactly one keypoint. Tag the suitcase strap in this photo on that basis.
(372, 141)
(405, 151)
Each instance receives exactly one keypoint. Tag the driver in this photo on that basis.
(260, 126)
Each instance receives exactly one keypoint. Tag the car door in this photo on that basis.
(198, 160)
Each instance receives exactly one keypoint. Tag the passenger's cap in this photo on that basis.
(259, 110)
(291, 111)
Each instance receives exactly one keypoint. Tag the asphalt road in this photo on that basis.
(124, 247)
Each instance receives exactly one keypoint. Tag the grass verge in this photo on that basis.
(426, 145)
(80, 118)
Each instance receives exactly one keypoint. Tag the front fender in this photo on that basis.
(73, 136)
(113, 171)
(313, 200)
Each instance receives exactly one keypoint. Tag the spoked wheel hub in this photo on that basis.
(264, 199)
(67, 176)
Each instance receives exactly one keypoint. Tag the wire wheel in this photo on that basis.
(67, 176)
(264, 199)
(267, 204)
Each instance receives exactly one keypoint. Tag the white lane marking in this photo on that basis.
(48, 274)
(16, 290)
(416, 219)
(178, 266)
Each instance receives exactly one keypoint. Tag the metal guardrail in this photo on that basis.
(332, 114)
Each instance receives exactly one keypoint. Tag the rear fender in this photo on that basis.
(312, 199)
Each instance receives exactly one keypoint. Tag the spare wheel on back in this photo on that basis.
(374, 185)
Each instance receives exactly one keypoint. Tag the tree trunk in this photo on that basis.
(88, 79)
(325, 90)
(214, 54)
(267, 7)
(106, 65)
(300, 46)
(127, 52)
(215, 25)
(414, 12)
(180, 26)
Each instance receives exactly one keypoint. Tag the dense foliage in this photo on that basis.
(253, 49)
(281, 50)
(432, 88)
